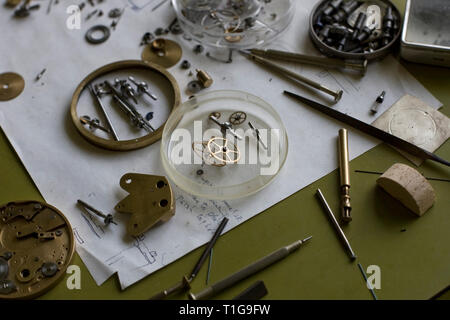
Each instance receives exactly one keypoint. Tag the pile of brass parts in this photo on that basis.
(152, 136)
(11, 85)
(163, 52)
(36, 247)
(150, 201)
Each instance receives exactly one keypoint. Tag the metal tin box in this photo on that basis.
(426, 32)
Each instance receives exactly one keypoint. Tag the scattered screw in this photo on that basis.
(198, 49)
(149, 116)
(378, 101)
(185, 64)
(39, 76)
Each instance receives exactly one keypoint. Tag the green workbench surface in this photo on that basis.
(413, 253)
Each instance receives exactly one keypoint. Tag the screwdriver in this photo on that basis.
(248, 271)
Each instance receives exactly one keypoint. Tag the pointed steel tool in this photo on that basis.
(336, 225)
(371, 130)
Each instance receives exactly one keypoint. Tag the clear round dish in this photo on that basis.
(238, 24)
(223, 145)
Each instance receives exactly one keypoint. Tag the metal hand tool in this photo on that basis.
(224, 126)
(137, 119)
(358, 65)
(108, 218)
(105, 114)
(336, 94)
(344, 172)
(185, 281)
(371, 130)
(248, 271)
(142, 87)
(336, 225)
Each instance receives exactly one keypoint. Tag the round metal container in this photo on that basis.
(333, 52)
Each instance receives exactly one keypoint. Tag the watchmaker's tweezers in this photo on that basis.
(371, 130)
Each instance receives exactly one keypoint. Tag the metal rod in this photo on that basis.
(105, 114)
(336, 224)
(258, 136)
(336, 94)
(209, 265)
(370, 130)
(358, 65)
(248, 271)
(344, 171)
(208, 248)
(108, 218)
(367, 283)
(184, 284)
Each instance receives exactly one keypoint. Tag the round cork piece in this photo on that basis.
(409, 187)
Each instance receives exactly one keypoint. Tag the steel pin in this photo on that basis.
(336, 225)
(105, 114)
(108, 218)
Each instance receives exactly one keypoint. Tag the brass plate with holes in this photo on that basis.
(36, 247)
(122, 145)
(11, 85)
(163, 52)
(150, 201)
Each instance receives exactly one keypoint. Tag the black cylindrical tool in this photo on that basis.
(358, 25)
(332, 6)
(345, 10)
(342, 43)
(325, 32)
(364, 34)
(388, 24)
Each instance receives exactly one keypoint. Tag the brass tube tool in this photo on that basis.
(344, 171)
(336, 225)
(371, 130)
(184, 284)
(358, 65)
(336, 94)
(248, 271)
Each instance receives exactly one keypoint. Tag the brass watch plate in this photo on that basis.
(36, 247)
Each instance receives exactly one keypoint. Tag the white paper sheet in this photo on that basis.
(65, 167)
